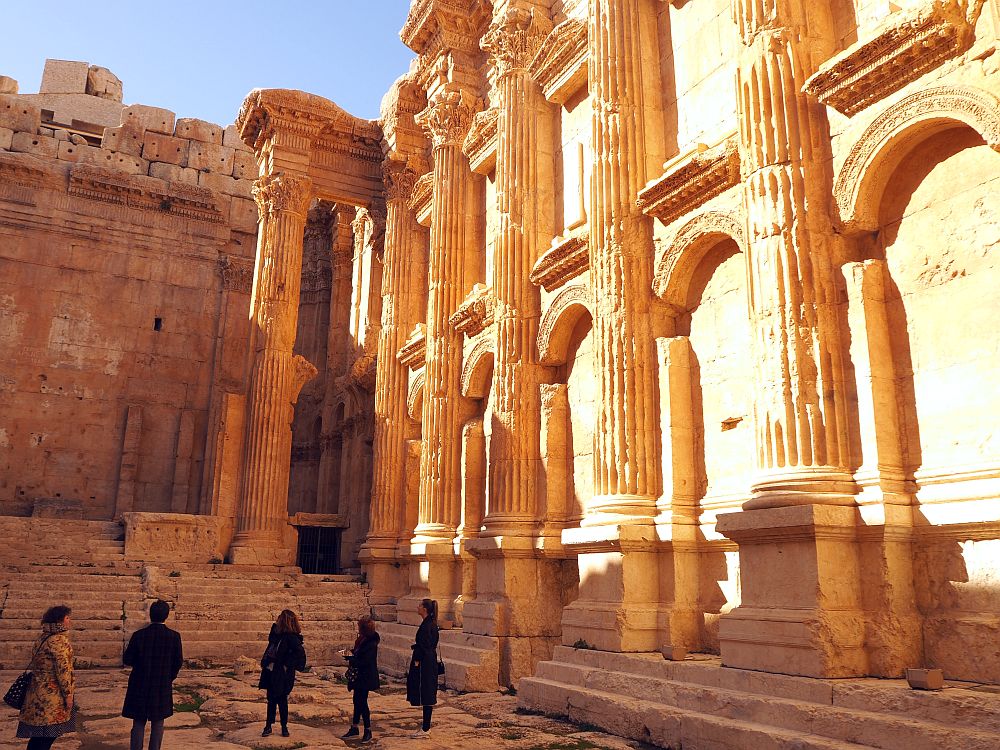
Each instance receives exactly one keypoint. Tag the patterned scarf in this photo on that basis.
(52, 628)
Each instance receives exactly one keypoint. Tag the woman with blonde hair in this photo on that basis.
(48, 709)
(284, 656)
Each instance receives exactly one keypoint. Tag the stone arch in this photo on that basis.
(559, 320)
(689, 246)
(882, 146)
(415, 398)
(477, 368)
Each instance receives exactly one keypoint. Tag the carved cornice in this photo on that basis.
(283, 192)
(436, 25)
(906, 46)
(476, 312)
(513, 39)
(144, 193)
(20, 176)
(565, 260)
(363, 372)
(448, 117)
(401, 103)
(691, 181)
(560, 65)
(422, 199)
(481, 142)
(237, 274)
(413, 352)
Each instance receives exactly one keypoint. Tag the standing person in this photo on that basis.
(284, 655)
(155, 655)
(422, 679)
(364, 659)
(48, 709)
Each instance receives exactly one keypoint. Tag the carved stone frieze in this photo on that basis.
(476, 312)
(906, 46)
(422, 199)
(237, 273)
(560, 65)
(481, 142)
(20, 176)
(448, 117)
(435, 25)
(565, 260)
(414, 350)
(514, 37)
(690, 181)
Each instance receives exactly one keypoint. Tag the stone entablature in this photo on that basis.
(422, 199)
(476, 312)
(413, 352)
(436, 25)
(481, 142)
(560, 65)
(565, 260)
(237, 273)
(691, 180)
(20, 176)
(908, 44)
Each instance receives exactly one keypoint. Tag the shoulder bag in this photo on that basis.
(14, 697)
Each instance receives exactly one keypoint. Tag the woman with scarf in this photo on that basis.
(48, 710)
(363, 661)
(284, 656)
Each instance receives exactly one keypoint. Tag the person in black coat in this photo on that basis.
(363, 659)
(284, 656)
(155, 655)
(422, 678)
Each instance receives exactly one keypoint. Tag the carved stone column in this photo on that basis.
(276, 375)
(812, 623)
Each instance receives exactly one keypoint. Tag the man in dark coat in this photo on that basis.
(155, 655)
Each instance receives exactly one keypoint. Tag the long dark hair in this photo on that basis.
(288, 622)
(366, 629)
(432, 609)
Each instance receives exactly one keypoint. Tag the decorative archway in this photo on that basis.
(558, 322)
(476, 369)
(691, 243)
(882, 146)
(415, 398)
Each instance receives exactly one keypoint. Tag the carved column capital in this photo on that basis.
(448, 117)
(282, 192)
(514, 38)
(399, 179)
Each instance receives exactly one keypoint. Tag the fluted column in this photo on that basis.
(523, 132)
(276, 375)
(447, 120)
(802, 438)
(403, 259)
(626, 436)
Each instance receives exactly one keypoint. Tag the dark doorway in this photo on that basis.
(319, 549)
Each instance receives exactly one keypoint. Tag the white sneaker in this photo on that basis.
(420, 734)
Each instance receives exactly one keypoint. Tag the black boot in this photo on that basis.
(284, 731)
(367, 737)
(267, 731)
(352, 732)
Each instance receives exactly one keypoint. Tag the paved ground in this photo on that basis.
(221, 710)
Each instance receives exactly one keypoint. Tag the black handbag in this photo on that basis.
(351, 676)
(14, 697)
(440, 667)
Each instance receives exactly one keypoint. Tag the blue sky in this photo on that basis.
(199, 59)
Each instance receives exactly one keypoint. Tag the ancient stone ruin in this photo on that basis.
(654, 339)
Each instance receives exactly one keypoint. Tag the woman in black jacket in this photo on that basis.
(284, 655)
(363, 658)
(422, 679)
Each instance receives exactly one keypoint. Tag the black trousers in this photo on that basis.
(279, 703)
(361, 710)
(139, 731)
(428, 710)
(40, 743)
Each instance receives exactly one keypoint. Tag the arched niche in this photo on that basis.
(558, 322)
(885, 143)
(477, 369)
(415, 398)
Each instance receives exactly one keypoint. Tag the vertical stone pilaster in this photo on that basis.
(276, 374)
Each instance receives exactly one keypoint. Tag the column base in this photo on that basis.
(267, 548)
(801, 611)
(803, 486)
(615, 510)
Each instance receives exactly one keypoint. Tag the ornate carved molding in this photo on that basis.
(415, 396)
(565, 260)
(558, 321)
(283, 192)
(399, 179)
(513, 39)
(413, 352)
(878, 151)
(363, 372)
(422, 199)
(560, 65)
(20, 176)
(691, 181)
(448, 117)
(906, 46)
(436, 25)
(237, 273)
(472, 372)
(476, 312)
(689, 245)
(400, 105)
(481, 143)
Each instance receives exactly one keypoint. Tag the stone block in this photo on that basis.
(104, 84)
(57, 507)
(70, 151)
(61, 135)
(198, 130)
(245, 166)
(6, 136)
(64, 77)
(17, 113)
(39, 145)
(243, 215)
(165, 148)
(78, 139)
(231, 138)
(8, 85)
(150, 118)
(114, 160)
(673, 653)
(925, 679)
(125, 138)
(225, 184)
(173, 173)
(211, 157)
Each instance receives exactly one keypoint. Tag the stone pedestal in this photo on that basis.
(435, 573)
(800, 612)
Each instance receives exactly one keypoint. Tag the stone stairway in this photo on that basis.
(700, 705)
(471, 661)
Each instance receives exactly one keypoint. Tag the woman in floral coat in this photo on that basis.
(48, 705)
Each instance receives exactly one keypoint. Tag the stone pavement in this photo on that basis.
(221, 710)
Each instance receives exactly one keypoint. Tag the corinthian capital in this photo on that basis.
(282, 192)
(514, 37)
(448, 117)
(399, 179)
